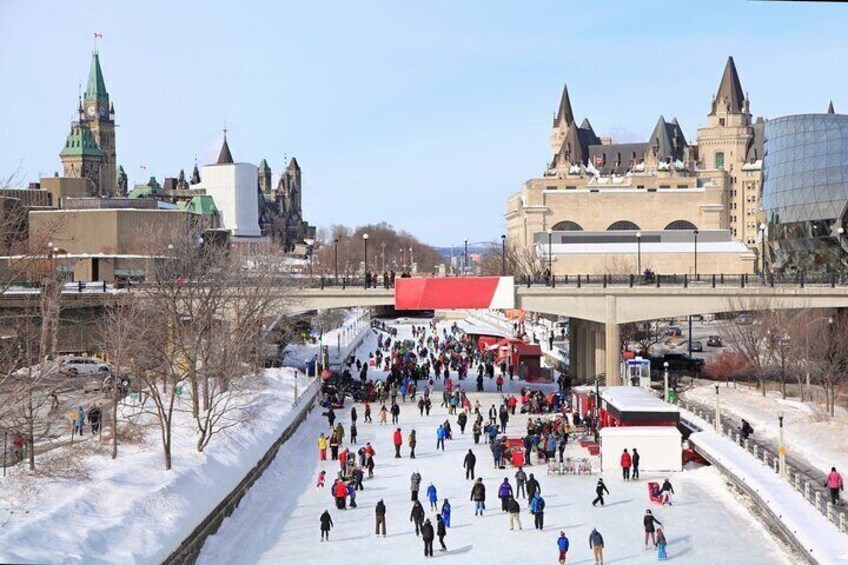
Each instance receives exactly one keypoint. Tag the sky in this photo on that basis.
(425, 115)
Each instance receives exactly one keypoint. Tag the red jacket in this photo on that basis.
(398, 439)
(340, 490)
(625, 460)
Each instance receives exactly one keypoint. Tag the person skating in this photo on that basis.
(367, 413)
(478, 497)
(476, 430)
(596, 544)
(446, 512)
(562, 546)
(416, 516)
(505, 493)
(421, 406)
(395, 412)
(635, 460)
(384, 413)
(358, 475)
(440, 437)
(661, 545)
(626, 462)
(533, 487)
(514, 510)
(537, 507)
(648, 521)
(441, 531)
(331, 416)
(320, 482)
(520, 480)
(397, 440)
(322, 447)
(353, 433)
(600, 489)
(351, 492)
(326, 524)
(432, 496)
(468, 464)
(334, 447)
(427, 535)
(834, 484)
(462, 420)
(380, 516)
(353, 414)
(412, 443)
(340, 493)
(415, 484)
(666, 491)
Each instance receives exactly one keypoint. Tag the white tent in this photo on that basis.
(660, 447)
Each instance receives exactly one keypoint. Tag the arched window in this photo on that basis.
(681, 225)
(622, 225)
(719, 160)
(567, 225)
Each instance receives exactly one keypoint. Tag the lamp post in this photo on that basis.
(465, 259)
(503, 255)
(383, 254)
(696, 253)
(781, 452)
(717, 412)
(550, 255)
(638, 252)
(665, 380)
(336, 258)
(403, 258)
(411, 260)
(763, 252)
(365, 262)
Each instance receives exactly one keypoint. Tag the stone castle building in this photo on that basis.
(281, 212)
(601, 199)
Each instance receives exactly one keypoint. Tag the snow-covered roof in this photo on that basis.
(634, 399)
(480, 330)
(641, 431)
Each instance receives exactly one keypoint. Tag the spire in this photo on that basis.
(293, 164)
(564, 112)
(225, 157)
(830, 108)
(195, 175)
(96, 89)
(263, 166)
(729, 96)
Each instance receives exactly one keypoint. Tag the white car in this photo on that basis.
(73, 366)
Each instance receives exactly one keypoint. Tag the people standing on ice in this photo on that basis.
(353, 433)
(478, 497)
(427, 535)
(596, 544)
(380, 515)
(468, 464)
(427, 405)
(357, 477)
(421, 406)
(351, 492)
(562, 546)
(661, 545)
(533, 487)
(648, 521)
(626, 462)
(835, 484)
(520, 480)
(600, 489)
(462, 420)
(416, 516)
(432, 497)
(503, 415)
(412, 443)
(395, 412)
(353, 414)
(635, 461)
(441, 531)
(367, 413)
(537, 508)
(397, 440)
(331, 416)
(666, 491)
(505, 493)
(440, 437)
(446, 512)
(415, 484)
(475, 430)
(514, 510)
(340, 494)
(321, 476)
(497, 451)
(334, 447)
(326, 524)
(384, 413)
(322, 447)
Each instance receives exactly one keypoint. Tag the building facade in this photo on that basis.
(665, 183)
(281, 212)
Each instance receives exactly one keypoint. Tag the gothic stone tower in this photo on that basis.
(100, 117)
(81, 158)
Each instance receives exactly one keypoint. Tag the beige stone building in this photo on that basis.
(605, 207)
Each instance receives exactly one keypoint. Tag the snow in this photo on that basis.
(341, 341)
(634, 399)
(277, 522)
(86, 507)
(808, 430)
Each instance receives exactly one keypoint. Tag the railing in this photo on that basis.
(674, 280)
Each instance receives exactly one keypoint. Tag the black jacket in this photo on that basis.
(649, 522)
(532, 487)
(380, 509)
(326, 521)
(601, 488)
(427, 532)
(417, 514)
(635, 458)
(512, 507)
(667, 487)
(478, 492)
(440, 528)
(470, 460)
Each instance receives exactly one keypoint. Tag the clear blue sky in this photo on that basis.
(426, 115)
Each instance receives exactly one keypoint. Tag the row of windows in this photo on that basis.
(623, 225)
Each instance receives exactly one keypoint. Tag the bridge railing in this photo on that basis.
(686, 280)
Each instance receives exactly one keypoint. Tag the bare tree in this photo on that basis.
(752, 339)
(828, 342)
(515, 260)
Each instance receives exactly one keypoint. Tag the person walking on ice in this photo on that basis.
(415, 484)
(626, 462)
(326, 524)
(380, 516)
(596, 544)
(441, 532)
(562, 546)
(427, 534)
(505, 493)
(416, 516)
(661, 545)
(600, 489)
(514, 510)
(446, 512)
(478, 497)
(666, 491)
(432, 497)
(470, 461)
(648, 521)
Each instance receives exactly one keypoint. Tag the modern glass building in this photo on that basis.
(805, 193)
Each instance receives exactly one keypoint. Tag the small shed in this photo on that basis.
(635, 406)
(660, 447)
(524, 358)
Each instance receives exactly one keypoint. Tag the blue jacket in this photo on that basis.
(446, 509)
(431, 493)
(440, 433)
(562, 543)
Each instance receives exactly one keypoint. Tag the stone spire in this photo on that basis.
(225, 157)
(195, 175)
(730, 97)
(830, 108)
(564, 113)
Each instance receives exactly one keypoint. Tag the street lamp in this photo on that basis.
(781, 453)
(763, 252)
(336, 258)
(696, 253)
(717, 413)
(465, 259)
(411, 260)
(665, 380)
(503, 255)
(550, 254)
(365, 262)
(638, 252)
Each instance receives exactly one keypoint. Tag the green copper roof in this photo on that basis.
(263, 166)
(202, 204)
(96, 86)
(144, 190)
(80, 141)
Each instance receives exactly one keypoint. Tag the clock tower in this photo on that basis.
(99, 117)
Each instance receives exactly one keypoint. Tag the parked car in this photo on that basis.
(677, 363)
(73, 366)
(673, 331)
(714, 341)
(696, 346)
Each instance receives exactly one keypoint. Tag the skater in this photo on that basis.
(432, 497)
(353, 433)
(397, 439)
(380, 514)
(514, 512)
(666, 491)
(395, 412)
(635, 461)
(322, 447)
(440, 437)
(351, 492)
(427, 535)
(416, 516)
(334, 447)
(446, 512)
(421, 406)
(562, 546)
(661, 545)
(412, 442)
(533, 487)
(367, 413)
(648, 520)
(537, 507)
(441, 532)
(321, 476)
(505, 493)
(415, 484)
(835, 484)
(478, 497)
(340, 492)
(626, 461)
(462, 420)
(384, 413)
(331, 416)
(596, 544)
(600, 489)
(476, 430)
(357, 477)
(470, 461)
(520, 480)
(326, 524)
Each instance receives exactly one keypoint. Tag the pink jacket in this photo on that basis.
(834, 480)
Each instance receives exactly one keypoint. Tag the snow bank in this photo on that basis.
(131, 510)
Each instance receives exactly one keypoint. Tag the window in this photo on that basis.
(682, 186)
(550, 188)
(721, 121)
(570, 187)
(567, 225)
(719, 160)
(681, 225)
(665, 186)
(622, 225)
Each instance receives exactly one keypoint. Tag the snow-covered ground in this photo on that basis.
(341, 341)
(277, 522)
(808, 430)
(84, 507)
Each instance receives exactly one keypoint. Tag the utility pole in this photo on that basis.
(717, 412)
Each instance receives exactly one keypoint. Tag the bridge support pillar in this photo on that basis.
(612, 355)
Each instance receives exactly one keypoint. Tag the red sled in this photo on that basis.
(654, 492)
